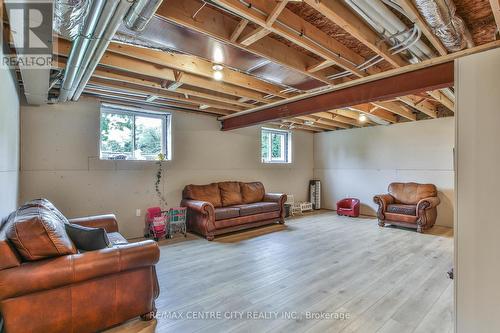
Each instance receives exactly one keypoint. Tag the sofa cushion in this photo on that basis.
(87, 238)
(402, 209)
(411, 193)
(258, 208)
(226, 213)
(38, 232)
(209, 193)
(252, 192)
(116, 238)
(230, 193)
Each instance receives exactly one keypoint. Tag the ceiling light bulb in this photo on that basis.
(217, 67)
(309, 122)
(218, 75)
(363, 118)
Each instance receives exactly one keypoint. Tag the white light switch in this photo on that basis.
(138, 212)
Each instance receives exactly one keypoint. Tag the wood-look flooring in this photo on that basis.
(384, 279)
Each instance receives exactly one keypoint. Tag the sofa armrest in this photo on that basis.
(428, 203)
(200, 217)
(203, 207)
(275, 197)
(48, 274)
(382, 200)
(108, 222)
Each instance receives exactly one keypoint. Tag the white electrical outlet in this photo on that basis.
(138, 212)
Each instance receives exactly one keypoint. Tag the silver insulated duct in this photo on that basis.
(141, 13)
(446, 24)
(69, 16)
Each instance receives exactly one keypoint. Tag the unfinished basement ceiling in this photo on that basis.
(270, 52)
(183, 40)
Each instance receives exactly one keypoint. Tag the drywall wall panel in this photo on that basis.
(477, 231)
(363, 162)
(60, 161)
(9, 141)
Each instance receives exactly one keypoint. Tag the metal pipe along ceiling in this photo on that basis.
(95, 32)
(141, 13)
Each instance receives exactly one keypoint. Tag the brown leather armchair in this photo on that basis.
(78, 292)
(224, 207)
(408, 205)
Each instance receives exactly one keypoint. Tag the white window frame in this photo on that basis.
(166, 118)
(286, 153)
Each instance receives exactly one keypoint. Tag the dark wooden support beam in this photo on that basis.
(407, 83)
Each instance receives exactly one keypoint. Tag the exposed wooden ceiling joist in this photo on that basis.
(398, 109)
(338, 13)
(443, 99)
(196, 66)
(338, 117)
(139, 67)
(421, 105)
(307, 37)
(495, 6)
(254, 36)
(222, 27)
(152, 87)
(427, 78)
(325, 121)
(369, 109)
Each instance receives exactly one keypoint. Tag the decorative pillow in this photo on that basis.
(37, 232)
(252, 192)
(86, 238)
(209, 193)
(230, 193)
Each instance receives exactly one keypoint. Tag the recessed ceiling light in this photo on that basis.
(218, 75)
(363, 118)
(309, 122)
(217, 67)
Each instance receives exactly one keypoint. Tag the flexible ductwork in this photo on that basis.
(69, 16)
(449, 27)
(141, 13)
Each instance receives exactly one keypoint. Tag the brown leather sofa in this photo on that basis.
(224, 207)
(47, 285)
(409, 205)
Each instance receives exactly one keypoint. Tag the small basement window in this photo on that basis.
(276, 146)
(133, 134)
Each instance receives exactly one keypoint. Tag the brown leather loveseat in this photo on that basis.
(48, 285)
(409, 205)
(224, 207)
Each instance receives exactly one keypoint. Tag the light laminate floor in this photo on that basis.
(354, 275)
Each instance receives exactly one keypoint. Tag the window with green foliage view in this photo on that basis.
(133, 135)
(276, 146)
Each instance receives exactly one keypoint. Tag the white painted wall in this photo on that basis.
(477, 226)
(363, 162)
(60, 162)
(9, 141)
